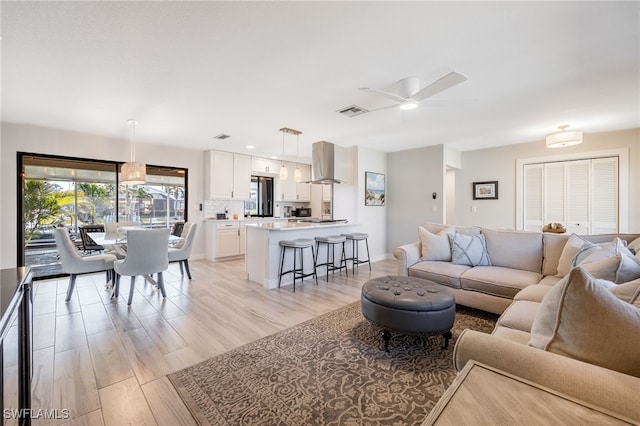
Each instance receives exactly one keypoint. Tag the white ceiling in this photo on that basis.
(188, 71)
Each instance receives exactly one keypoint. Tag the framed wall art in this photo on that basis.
(374, 193)
(485, 190)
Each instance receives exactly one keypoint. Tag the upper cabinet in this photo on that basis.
(265, 166)
(227, 175)
(296, 191)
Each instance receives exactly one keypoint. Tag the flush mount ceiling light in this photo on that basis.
(284, 173)
(133, 173)
(563, 138)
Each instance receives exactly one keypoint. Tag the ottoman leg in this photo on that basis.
(386, 336)
(447, 336)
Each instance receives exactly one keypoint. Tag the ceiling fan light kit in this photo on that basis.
(563, 138)
(408, 94)
(133, 173)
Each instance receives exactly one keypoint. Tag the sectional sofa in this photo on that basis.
(569, 305)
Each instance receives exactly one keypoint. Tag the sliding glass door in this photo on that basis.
(70, 193)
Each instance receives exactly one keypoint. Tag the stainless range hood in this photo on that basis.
(323, 163)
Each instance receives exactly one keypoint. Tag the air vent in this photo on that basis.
(222, 136)
(352, 111)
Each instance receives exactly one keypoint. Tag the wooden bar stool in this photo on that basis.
(331, 241)
(298, 272)
(355, 239)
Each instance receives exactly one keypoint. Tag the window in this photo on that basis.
(70, 192)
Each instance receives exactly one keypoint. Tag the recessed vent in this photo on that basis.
(222, 136)
(352, 111)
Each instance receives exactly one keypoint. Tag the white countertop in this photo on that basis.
(290, 226)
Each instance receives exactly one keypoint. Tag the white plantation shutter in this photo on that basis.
(605, 195)
(554, 193)
(582, 195)
(578, 191)
(533, 191)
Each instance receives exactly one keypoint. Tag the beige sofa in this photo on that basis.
(509, 348)
(519, 260)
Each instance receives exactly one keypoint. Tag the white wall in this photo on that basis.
(372, 218)
(28, 138)
(500, 164)
(413, 176)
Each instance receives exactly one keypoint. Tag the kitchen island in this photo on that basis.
(262, 257)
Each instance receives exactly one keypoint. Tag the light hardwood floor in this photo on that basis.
(107, 363)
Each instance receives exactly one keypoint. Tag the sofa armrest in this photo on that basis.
(407, 255)
(595, 385)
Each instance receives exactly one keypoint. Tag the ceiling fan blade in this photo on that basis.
(383, 93)
(439, 85)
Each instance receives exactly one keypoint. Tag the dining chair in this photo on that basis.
(111, 232)
(147, 254)
(182, 250)
(74, 264)
(88, 245)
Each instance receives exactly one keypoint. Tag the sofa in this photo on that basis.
(518, 260)
(569, 305)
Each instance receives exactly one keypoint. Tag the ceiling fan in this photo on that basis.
(409, 94)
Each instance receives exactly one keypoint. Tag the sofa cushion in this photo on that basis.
(571, 248)
(552, 245)
(445, 273)
(515, 249)
(549, 280)
(469, 250)
(498, 281)
(533, 293)
(581, 319)
(435, 246)
(518, 336)
(519, 315)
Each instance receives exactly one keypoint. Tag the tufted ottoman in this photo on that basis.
(410, 305)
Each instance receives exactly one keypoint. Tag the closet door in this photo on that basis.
(554, 193)
(604, 184)
(533, 195)
(578, 192)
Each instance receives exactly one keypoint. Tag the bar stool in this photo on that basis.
(355, 239)
(331, 241)
(298, 273)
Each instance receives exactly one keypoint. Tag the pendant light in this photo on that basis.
(297, 175)
(133, 173)
(284, 173)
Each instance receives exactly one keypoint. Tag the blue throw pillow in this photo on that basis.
(469, 250)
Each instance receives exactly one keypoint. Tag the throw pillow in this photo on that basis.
(629, 292)
(596, 252)
(435, 246)
(618, 268)
(634, 246)
(571, 248)
(581, 319)
(469, 250)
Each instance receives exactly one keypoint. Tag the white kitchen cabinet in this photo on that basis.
(296, 191)
(242, 243)
(227, 239)
(227, 175)
(266, 166)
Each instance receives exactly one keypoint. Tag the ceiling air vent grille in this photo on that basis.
(352, 111)
(222, 136)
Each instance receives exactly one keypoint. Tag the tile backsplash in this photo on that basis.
(211, 207)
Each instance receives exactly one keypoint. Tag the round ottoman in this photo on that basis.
(410, 305)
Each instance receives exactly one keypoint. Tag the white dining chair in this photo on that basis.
(74, 264)
(147, 254)
(111, 232)
(182, 250)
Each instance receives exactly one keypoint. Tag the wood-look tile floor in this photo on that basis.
(107, 363)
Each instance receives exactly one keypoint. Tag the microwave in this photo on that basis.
(302, 212)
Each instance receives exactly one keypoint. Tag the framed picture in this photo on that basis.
(485, 190)
(374, 189)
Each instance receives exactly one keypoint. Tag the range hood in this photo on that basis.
(323, 163)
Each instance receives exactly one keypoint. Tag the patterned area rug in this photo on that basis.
(332, 370)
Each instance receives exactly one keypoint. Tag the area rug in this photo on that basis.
(331, 370)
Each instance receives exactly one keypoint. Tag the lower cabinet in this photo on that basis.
(224, 239)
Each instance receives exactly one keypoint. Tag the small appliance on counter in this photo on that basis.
(301, 212)
(221, 216)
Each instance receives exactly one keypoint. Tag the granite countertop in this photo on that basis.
(290, 226)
